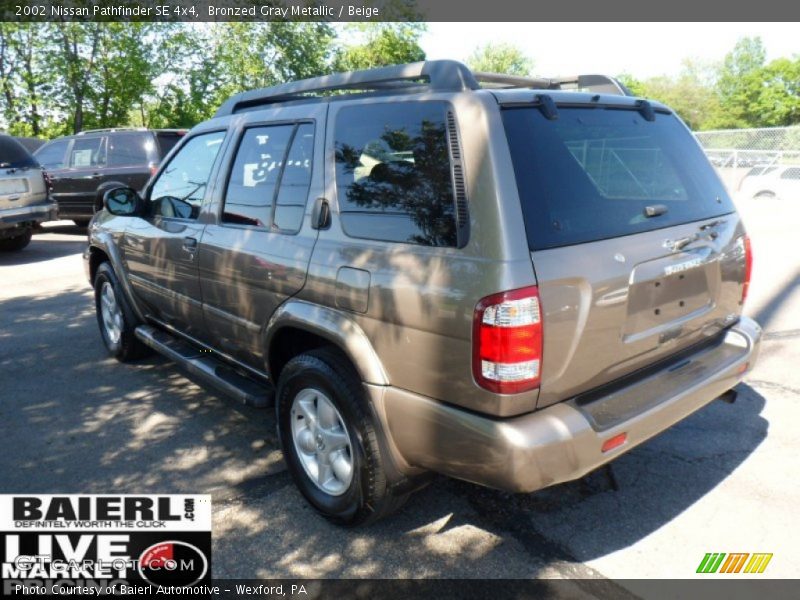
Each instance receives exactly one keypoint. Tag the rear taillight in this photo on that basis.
(748, 267)
(507, 341)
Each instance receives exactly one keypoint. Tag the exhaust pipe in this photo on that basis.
(729, 396)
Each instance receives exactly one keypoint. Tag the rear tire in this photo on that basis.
(115, 318)
(16, 243)
(356, 496)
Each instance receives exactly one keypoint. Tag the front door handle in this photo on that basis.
(190, 244)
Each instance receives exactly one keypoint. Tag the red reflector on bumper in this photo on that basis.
(614, 442)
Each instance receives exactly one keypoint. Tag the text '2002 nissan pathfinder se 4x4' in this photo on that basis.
(510, 284)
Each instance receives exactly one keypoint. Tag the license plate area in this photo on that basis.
(670, 294)
(13, 186)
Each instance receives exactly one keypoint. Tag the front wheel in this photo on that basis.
(330, 442)
(16, 243)
(115, 318)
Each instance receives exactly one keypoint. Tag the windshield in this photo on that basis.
(594, 173)
(13, 155)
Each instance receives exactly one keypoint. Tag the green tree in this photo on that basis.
(691, 93)
(501, 58)
(739, 83)
(380, 44)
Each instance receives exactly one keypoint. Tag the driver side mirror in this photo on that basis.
(123, 202)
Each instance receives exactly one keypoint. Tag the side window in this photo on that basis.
(393, 174)
(87, 153)
(255, 175)
(295, 181)
(181, 185)
(130, 149)
(51, 156)
(793, 173)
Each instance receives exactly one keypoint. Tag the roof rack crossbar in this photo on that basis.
(437, 75)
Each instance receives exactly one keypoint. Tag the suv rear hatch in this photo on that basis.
(637, 248)
(21, 178)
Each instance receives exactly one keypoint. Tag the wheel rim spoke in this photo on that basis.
(321, 441)
(326, 413)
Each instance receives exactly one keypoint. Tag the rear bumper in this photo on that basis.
(37, 213)
(561, 442)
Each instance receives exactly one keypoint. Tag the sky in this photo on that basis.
(640, 49)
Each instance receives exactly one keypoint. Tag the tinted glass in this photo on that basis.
(295, 181)
(51, 155)
(590, 173)
(255, 175)
(791, 173)
(87, 152)
(166, 141)
(180, 186)
(393, 173)
(131, 149)
(14, 155)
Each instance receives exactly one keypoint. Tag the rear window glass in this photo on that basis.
(13, 155)
(167, 140)
(589, 174)
(130, 149)
(51, 155)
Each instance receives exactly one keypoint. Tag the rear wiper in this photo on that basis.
(654, 210)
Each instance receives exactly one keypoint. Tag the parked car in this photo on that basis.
(23, 195)
(82, 166)
(511, 285)
(775, 181)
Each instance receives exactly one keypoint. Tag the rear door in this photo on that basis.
(636, 246)
(257, 252)
(75, 187)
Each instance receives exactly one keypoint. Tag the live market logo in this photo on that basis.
(104, 542)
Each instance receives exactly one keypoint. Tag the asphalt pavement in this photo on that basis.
(723, 480)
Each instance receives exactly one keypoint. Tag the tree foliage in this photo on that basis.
(59, 78)
(381, 44)
(744, 90)
(501, 58)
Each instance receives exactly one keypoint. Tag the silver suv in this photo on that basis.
(23, 195)
(506, 280)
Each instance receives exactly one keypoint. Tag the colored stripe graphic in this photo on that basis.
(758, 563)
(712, 562)
(734, 560)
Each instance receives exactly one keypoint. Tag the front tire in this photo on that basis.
(115, 317)
(330, 442)
(16, 243)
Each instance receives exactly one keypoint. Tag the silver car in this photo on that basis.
(24, 201)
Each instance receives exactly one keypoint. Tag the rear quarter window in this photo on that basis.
(131, 149)
(393, 173)
(589, 174)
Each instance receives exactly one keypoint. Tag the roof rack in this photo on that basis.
(111, 129)
(600, 84)
(432, 75)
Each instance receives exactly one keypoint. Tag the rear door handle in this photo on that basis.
(190, 244)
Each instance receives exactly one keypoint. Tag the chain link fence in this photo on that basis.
(737, 153)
